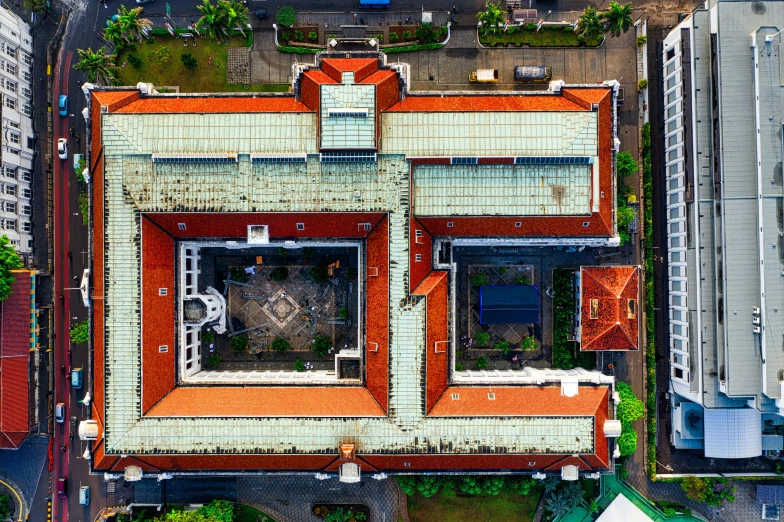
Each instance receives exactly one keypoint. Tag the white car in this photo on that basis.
(62, 148)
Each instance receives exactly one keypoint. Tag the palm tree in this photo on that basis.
(573, 493)
(589, 25)
(493, 16)
(550, 484)
(618, 18)
(115, 32)
(213, 20)
(98, 65)
(236, 14)
(132, 23)
(558, 505)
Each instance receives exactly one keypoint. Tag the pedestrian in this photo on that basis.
(76, 279)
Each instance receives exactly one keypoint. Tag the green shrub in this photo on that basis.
(161, 55)
(284, 35)
(319, 274)
(299, 366)
(279, 273)
(406, 36)
(426, 33)
(188, 61)
(522, 280)
(299, 35)
(313, 35)
(478, 279)
(5, 507)
(350, 274)
(529, 343)
(563, 309)
(308, 252)
(623, 472)
(641, 40)
(321, 345)
(481, 362)
(135, 61)
(459, 367)
(79, 170)
(208, 336)
(393, 37)
(80, 332)
(626, 164)
(239, 343)
(593, 506)
(627, 442)
(642, 84)
(503, 346)
(84, 207)
(213, 360)
(414, 47)
(343, 313)
(669, 512)
(237, 273)
(286, 16)
(407, 483)
(482, 338)
(521, 485)
(280, 345)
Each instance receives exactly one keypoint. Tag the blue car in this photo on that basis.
(63, 105)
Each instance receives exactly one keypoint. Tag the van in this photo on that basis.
(76, 378)
(533, 73)
(59, 412)
(84, 495)
(62, 105)
(483, 76)
(62, 487)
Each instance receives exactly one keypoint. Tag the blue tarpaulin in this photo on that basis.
(508, 304)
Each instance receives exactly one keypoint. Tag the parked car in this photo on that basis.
(62, 487)
(59, 412)
(62, 148)
(261, 14)
(84, 493)
(76, 378)
(63, 105)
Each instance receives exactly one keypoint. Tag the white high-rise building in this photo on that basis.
(17, 137)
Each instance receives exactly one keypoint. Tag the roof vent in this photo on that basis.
(612, 428)
(570, 387)
(491, 396)
(455, 396)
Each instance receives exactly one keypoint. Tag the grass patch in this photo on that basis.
(208, 76)
(244, 513)
(449, 506)
(546, 37)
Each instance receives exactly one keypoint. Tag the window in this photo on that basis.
(518, 224)
(30, 142)
(26, 193)
(418, 233)
(532, 464)
(11, 86)
(13, 137)
(30, 243)
(27, 226)
(300, 226)
(163, 291)
(9, 171)
(631, 308)
(455, 396)
(449, 224)
(10, 190)
(678, 373)
(27, 76)
(27, 58)
(491, 396)
(10, 51)
(418, 258)
(13, 151)
(181, 226)
(10, 206)
(11, 123)
(10, 224)
(594, 308)
(164, 348)
(27, 109)
(26, 175)
(363, 226)
(586, 223)
(671, 53)
(10, 103)
(26, 210)
(27, 93)
(10, 68)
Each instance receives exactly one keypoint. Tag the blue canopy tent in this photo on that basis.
(509, 304)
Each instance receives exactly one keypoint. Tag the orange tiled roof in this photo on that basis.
(439, 103)
(611, 287)
(436, 291)
(267, 401)
(511, 401)
(222, 104)
(361, 67)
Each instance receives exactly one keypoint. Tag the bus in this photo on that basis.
(533, 73)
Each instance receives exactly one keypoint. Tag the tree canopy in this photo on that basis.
(9, 260)
(98, 65)
(618, 18)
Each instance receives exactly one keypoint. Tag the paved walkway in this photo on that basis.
(290, 498)
(22, 467)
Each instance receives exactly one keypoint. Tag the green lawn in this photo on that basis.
(208, 76)
(244, 513)
(546, 37)
(447, 506)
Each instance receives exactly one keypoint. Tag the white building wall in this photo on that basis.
(17, 140)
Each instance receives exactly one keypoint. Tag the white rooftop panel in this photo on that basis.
(733, 433)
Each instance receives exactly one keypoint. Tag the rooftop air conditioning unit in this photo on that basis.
(755, 320)
(757, 329)
(755, 310)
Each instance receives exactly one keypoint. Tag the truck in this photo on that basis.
(533, 73)
(483, 76)
(374, 4)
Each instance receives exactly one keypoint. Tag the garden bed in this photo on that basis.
(546, 37)
(350, 512)
(566, 353)
(293, 36)
(449, 505)
(209, 74)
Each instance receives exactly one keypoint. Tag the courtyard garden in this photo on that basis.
(287, 308)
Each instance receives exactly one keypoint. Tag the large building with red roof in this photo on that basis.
(18, 338)
(349, 158)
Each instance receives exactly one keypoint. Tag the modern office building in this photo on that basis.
(723, 81)
(18, 138)
(195, 197)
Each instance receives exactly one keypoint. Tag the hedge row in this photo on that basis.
(563, 305)
(650, 348)
(298, 50)
(162, 31)
(415, 47)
